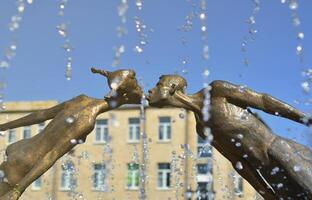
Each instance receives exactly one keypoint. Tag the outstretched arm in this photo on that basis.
(33, 118)
(245, 97)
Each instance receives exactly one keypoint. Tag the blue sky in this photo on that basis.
(37, 72)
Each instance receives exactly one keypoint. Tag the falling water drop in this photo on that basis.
(297, 168)
(73, 141)
(305, 86)
(239, 165)
(293, 5)
(300, 35)
(181, 115)
(70, 120)
(275, 170)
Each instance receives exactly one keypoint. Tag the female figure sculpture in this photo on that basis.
(276, 167)
(71, 121)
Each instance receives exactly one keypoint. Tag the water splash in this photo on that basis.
(10, 51)
(62, 30)
(144, 162)
(252, 31)
(121, 31)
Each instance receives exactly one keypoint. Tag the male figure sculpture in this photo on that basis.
(276, 167)
(71, 121)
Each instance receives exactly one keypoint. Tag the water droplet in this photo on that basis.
(275, 170)
(244, 115)
(283, 1)
(293, 5)
(139, 4)
(240, 136)
(80, 141)
(238, 144)
(280, 185)
(181, 115)
(299, 49)
(305, 86)
(296, 21)
(70, 120)
(21, 8)
(29, 1)
(203, 28)
(62, 29)
(138, 49)
(232, 140)
(202, 16)
(4, 64)
(245, 156)
(73, 141)
(206, 52)
(206, 73)
(300, 35)
(239, 165)
(297, 168)
(2, 133)
(2, 175)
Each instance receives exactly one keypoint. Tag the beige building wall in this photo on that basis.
(123, 151)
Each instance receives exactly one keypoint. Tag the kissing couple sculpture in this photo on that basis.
(260, 152)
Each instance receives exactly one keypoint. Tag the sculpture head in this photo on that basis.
(168, 88)
(123, 84)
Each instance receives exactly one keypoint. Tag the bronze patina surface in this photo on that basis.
(71, 121)
(276, 167)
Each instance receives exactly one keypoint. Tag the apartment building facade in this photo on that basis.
(177, 164)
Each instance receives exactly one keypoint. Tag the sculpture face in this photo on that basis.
(164, 92)
(123, 84)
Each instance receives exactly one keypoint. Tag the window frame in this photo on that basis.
(200, 145)
(104, 131)
(164, 129)
(136, 131)
(163, 175)
(238, 184)
(34, 186)
(68, 176)
(28, 129)
(134, 176)
(99, 174)
(11, 131)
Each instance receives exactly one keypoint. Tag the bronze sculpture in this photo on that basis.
(71, 122)
(276, 167)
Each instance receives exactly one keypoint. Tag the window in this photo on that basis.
(163, 176)
(134, 129)
(98, 177)
(133, 176)
(11, 136)
(164, 129)
(203, 169)
(36, 185)
(67, 176)
(238, 184)
(41, 126)
(204, 150)
(203, 192)
(101, 131)
(26, 132)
